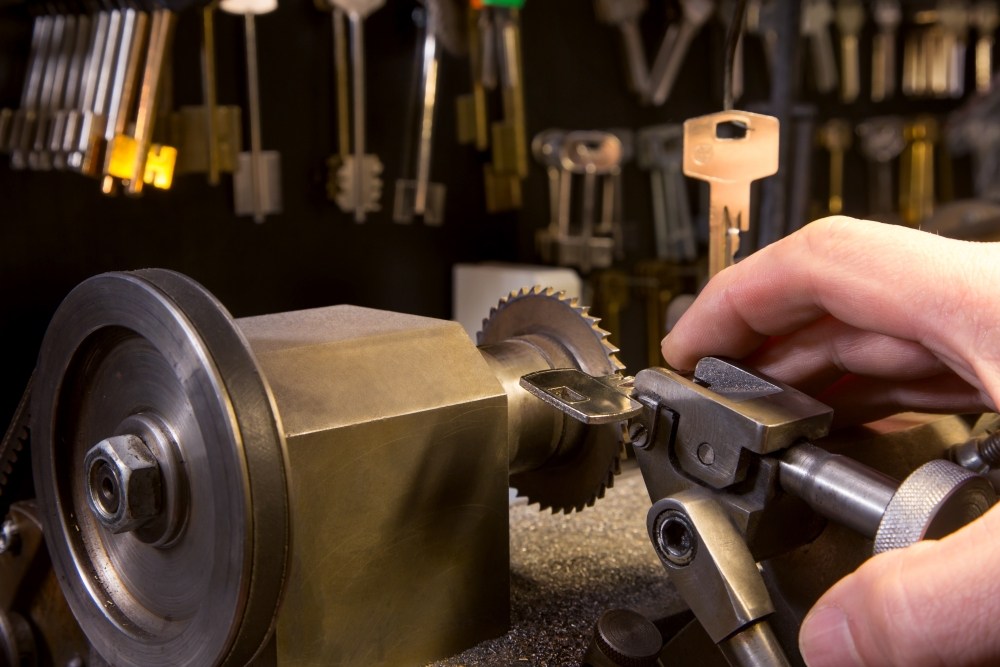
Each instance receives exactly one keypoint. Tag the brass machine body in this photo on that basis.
(330, 486)
(396, 434)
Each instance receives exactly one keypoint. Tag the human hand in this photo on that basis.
(874, 319)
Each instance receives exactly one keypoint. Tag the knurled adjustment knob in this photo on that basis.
(938, 498)
(624, 638)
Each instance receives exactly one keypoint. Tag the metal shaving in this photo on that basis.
(566, 570)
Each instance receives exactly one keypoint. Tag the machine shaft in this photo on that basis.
(838, 487)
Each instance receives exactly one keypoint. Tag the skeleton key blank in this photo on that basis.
(257, 180)
(730, 150)
(359, 183)
(208, 137)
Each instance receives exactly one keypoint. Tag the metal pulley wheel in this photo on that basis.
(160, 464)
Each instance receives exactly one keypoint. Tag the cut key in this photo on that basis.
(730, 150)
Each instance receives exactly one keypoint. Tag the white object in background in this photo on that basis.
(479, 287)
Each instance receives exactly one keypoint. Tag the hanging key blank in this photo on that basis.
(730, 150)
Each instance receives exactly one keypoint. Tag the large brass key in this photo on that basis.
(730, 150)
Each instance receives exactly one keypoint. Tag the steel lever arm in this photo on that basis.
(711, 566)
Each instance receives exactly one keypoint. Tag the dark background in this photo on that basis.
(56, 229)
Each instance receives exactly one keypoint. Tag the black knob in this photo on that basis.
(624, 638)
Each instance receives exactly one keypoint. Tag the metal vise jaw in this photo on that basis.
(715, 430)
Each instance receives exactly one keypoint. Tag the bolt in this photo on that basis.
(980, 454)
(989, 449)
(706, 454)
(124, 483)
(10, 537)
(676, 540)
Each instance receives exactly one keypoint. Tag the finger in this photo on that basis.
(876, 277)
(933, 603)
(815, 356)
(857, 400)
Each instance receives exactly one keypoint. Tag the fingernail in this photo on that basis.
(825, 639)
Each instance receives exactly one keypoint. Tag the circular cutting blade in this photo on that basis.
(588, 457)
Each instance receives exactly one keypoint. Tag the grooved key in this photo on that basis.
(881, 142)
(888, 15)
(135, 32)
(24, 119)
(661, 152)
(835, 136)
(730, 150)
(816, 18)
(136, 159)
(673, 49)
(625, 14)
(418, 196)
(953, 15)
(850, 19)
(916, 171)
(985, 17)
(71, 93)
(546, 148)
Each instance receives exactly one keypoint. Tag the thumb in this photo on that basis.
(933, 603)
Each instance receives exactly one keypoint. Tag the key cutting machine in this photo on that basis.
(330, 486)
(320, 487)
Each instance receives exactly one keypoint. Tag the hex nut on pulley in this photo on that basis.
(123, 483)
